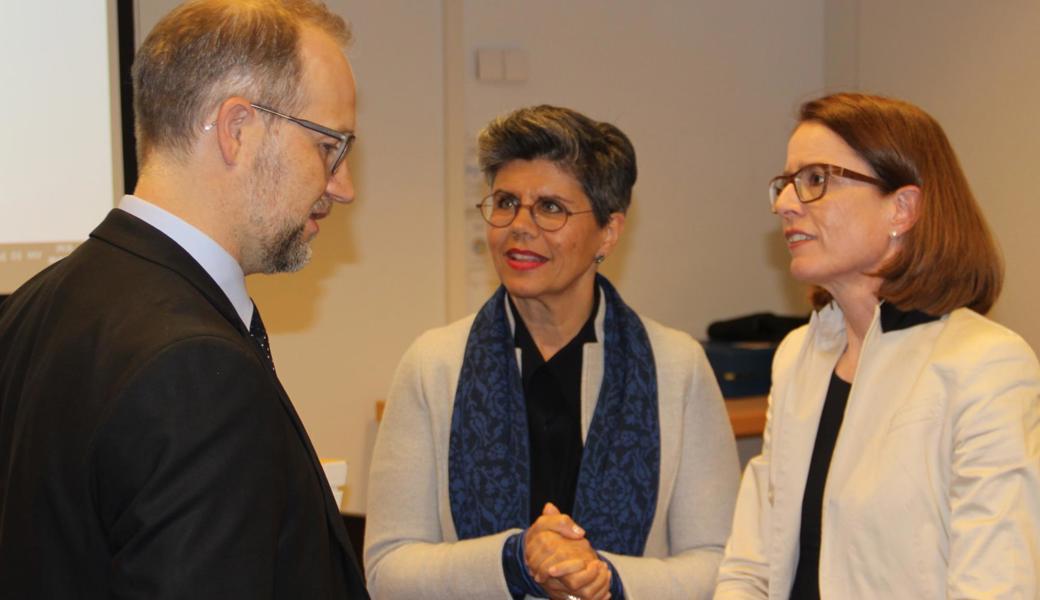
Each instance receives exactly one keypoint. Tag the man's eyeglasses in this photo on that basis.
(500, 210)
(810, 182)
(334, 154)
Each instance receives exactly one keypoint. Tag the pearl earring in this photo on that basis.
(893, 234)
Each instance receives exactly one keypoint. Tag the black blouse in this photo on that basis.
(552, 391)
(807, 577)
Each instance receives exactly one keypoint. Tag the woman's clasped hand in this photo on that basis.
(562, 561)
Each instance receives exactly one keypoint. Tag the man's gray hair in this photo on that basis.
(206, 51)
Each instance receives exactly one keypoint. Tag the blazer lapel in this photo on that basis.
(794, 435)
(891, 378)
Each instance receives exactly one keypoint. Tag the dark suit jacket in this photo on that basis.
(146, 448)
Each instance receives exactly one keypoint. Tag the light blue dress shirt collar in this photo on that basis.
(220, 265)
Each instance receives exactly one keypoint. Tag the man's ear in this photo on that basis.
(232, 117)
(906, 208)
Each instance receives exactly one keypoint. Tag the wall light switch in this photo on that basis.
(515, 62)
(490, 64)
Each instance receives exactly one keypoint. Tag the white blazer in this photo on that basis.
(934, 486)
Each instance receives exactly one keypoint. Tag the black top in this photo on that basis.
(552, 392)
(807, 577)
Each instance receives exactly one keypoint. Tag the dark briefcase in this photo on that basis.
(741, 368)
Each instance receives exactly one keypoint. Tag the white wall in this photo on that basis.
(706, 91)
(973, 66)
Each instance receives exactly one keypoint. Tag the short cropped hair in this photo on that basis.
(948, 258)
(206, 51)
(597, 154)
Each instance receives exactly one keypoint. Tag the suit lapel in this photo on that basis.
(331, 510)
(133, 235)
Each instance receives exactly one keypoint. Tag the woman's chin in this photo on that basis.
(518, 289)
(803, 273)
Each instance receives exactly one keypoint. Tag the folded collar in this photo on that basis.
(893, 319)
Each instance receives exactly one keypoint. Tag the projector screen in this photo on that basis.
(60, 159)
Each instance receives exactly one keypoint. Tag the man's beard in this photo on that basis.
(282, 247)
(288, 252)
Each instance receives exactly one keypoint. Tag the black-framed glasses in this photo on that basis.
(549, 214)
(334, 154)
(810, 182)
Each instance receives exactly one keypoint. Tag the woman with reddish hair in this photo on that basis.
(901, 457)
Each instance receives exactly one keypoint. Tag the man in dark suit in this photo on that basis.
(147, 448)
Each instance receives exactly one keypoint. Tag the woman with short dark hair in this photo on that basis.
(902, 451)
(556, 444)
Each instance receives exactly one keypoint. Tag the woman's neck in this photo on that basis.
(857, 305)
(552, 324)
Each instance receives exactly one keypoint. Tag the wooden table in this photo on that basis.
(747, 415)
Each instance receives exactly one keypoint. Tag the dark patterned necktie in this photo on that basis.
(259, 335)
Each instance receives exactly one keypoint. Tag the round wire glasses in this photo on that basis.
(549, 214)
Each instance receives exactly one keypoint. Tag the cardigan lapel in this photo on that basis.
(591, 382)
(592, 370)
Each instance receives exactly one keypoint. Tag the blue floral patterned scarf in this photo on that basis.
(488, 455)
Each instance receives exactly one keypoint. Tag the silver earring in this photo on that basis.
(600, 259)
(893, 234)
